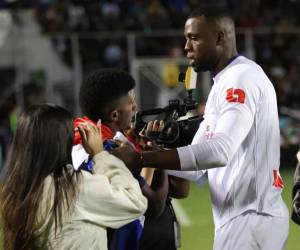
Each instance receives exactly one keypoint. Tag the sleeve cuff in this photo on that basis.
(187, 159)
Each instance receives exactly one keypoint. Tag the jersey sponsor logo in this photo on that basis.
(209, 134)
(278, 182)
(235, 95)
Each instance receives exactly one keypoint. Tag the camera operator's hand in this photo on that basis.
(128, 155)
(153, 129)
(150, 133)
(91, 137)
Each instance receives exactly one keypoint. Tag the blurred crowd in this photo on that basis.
(277, 52)
(107, 15)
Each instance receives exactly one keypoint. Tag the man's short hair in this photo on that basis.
(102, 88)
(217, 14)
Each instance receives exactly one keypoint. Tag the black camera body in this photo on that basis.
(178, 130)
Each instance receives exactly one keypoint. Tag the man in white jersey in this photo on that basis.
(237, 145)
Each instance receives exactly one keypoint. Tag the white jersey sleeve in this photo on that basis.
(199, 177)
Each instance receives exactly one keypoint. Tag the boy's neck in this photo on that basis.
(114, 129)
(106, 131)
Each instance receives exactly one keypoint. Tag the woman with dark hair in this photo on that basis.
(45, 204)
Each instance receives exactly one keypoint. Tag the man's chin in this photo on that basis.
(193, 65)
(201, 68)
(198, 69)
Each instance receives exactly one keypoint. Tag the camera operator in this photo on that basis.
(237, 146)
(162, 232)
(296, 193)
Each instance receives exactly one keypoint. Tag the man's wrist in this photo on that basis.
(141, 159)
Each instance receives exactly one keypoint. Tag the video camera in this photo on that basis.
(178, 130)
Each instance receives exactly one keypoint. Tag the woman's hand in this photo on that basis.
(91, 137)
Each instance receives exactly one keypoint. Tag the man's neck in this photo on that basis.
(224, 61)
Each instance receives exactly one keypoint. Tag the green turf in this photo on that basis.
(199, 236)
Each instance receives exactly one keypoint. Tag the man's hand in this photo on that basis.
(128, 155)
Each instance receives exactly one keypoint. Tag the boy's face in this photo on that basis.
(126, 109)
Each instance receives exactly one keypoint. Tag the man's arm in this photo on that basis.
(199, 156)
(156, 193)
(162, 159)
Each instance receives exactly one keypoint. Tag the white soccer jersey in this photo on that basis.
(238, 144)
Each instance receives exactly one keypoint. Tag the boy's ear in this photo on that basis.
(114, 116)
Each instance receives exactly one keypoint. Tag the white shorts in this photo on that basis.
(253, 231)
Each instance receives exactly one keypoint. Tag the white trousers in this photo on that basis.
(252, 231)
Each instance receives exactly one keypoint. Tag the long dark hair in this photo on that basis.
(41, 147)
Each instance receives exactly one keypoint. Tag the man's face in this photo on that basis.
(126, 109)
(200, 44)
